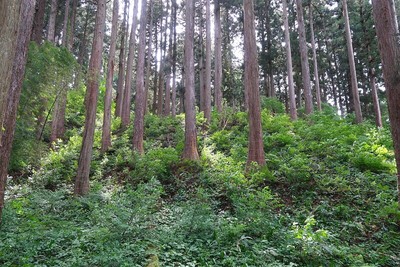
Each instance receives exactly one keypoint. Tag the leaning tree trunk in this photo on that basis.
(218, 56)
(305, 68)
(387, 31)
(256, 145)
(190, 149)
(353, 76)
(92, 92)
(126, 106)
(52, 21)
(292, 96)
(18, 15)
(106, 133)
(140, 100)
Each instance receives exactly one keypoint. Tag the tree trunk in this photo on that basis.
(16, 19)
(218, 56)
(126, 106)
(292, 96)
(160, 101)
(149, 52)
(314, 50)
(52, 21)
(38, 22)
(354, 85)
(375, 98)
(122, 63)
(106, 133)
(65, 25)
(174, 56)
(140, 101)
(155, 84)
(305, 68)
(190, 149)
(82, 178)
(58, 120)
(387, 31)
(207, 87)
(167, 107)
(256, 145)
(71, 29)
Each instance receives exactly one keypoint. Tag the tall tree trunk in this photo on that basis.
(387, 31)
(207, 87)
(256, 145)
(92, 92)
(292, 96)
(16, 19)
(163, 36)
(71, 29)
(314, 50)
(174, 56)
(38, 22)
(167, 107)
(140, 101)
(190, 149)
(106, 133)
(155, 84)
(218, 56)
(305, 68)
(52, 21)
(353, 75)
(122, 63)
(201, 60)
(58, 120)
(65, 25)
(126, 106)
(149, 52)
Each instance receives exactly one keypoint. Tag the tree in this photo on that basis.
(140, 100)
(52, 21)
(256, 145)
(127, 95)
(122, 63)
(174, 57)
(38, 21)
(65, 24)
(292, 96)
(350, 53)
(207, 85)
(305, 68)
(106, 133)
(18, 15)
(190, 148)
(92, 92)
(218, 56)
(387, 30)
(314, 50)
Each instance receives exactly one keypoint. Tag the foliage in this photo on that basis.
(325, 198)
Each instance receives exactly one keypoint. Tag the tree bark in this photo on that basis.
(126, 106)
(16, 19)
(218, 56)
(140, 100)
(149, 52)
(122, 63)
(256, 145)
(82, 178)
(375, 98)
(314, 50)
(38, 22)
(207, 85)
(292, 96)
(387, 31)
(353, 75)
(52, 21)
(106, 133)
(190, 149)
(305, 68)
(65, 25)
(174, 56)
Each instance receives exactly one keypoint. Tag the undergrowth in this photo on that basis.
(326, 197)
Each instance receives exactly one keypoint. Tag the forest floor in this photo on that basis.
(325, 198)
